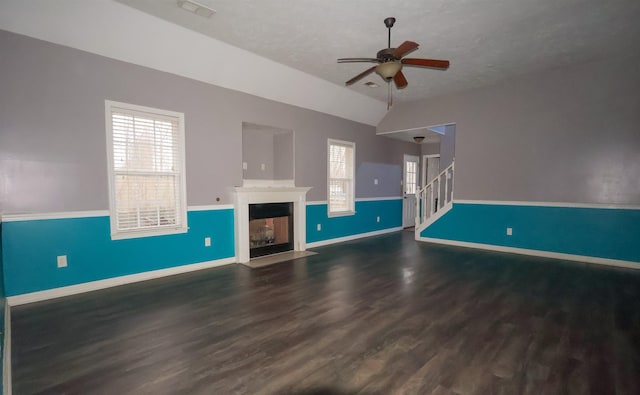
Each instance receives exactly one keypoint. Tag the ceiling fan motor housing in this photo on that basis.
(386, 55)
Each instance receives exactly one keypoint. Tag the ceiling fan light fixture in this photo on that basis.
(388, 70)
(418, 139)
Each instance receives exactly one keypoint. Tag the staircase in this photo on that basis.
(435, 199)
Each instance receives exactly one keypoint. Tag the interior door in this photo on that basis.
(410, 186)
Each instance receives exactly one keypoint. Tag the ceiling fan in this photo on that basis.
(390, 62)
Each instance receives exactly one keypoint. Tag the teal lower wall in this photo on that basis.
(363, 221)
(30, 249)
(594, 232)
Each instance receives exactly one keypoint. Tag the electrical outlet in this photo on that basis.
(509, 231)
(207, 241)
(244, 165)
(319, 227)
(62, 261)
(378, 218)
(263, 167)
(375, 181)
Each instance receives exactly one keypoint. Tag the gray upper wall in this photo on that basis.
(258, 149)
(430, 148)
(283, 156)
(273, 148)
(564, 135)
(52, 131)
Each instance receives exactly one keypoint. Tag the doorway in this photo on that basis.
(410, 187)
(430, 168)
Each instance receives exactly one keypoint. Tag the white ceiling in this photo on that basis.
(286, 50)
(430, 136)
(485, 40)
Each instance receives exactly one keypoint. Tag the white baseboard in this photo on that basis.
(6, 352)
(539, 253)
(352, 237)
(113, 282)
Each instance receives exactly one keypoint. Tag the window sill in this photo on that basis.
(341, 214)
(136, 234)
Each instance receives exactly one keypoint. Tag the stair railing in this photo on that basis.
(435, 197)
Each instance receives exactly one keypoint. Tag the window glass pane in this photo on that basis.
(338, 195)
(145, 200)
(411, 177)
(144, 144)
(341, 168)
(338, 163)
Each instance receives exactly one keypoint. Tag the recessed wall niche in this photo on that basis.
(267, 153)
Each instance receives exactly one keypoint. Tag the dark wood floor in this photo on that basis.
(383, 315)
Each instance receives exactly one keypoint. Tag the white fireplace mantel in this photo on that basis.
(246, 195)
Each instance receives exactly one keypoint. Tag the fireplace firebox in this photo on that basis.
(270, 228)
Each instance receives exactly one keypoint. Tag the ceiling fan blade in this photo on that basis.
(433, 63)
(360, 76)
(357, 60)
(400, 80)
(405, 48)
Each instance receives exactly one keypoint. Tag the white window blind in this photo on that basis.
(341, 169)
(147, 184)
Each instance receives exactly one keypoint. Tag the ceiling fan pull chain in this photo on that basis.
(389, 98)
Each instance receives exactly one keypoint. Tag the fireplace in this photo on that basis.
(268, 203)
(270, 228)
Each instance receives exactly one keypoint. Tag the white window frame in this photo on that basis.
(351, 194)
(182, 227)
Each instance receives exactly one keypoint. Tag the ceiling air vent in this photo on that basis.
(196, 8)
(371, 84)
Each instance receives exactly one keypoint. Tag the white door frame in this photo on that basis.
(424, 167)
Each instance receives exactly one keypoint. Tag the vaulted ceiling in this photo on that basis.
(486, 41)
(286, 50)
